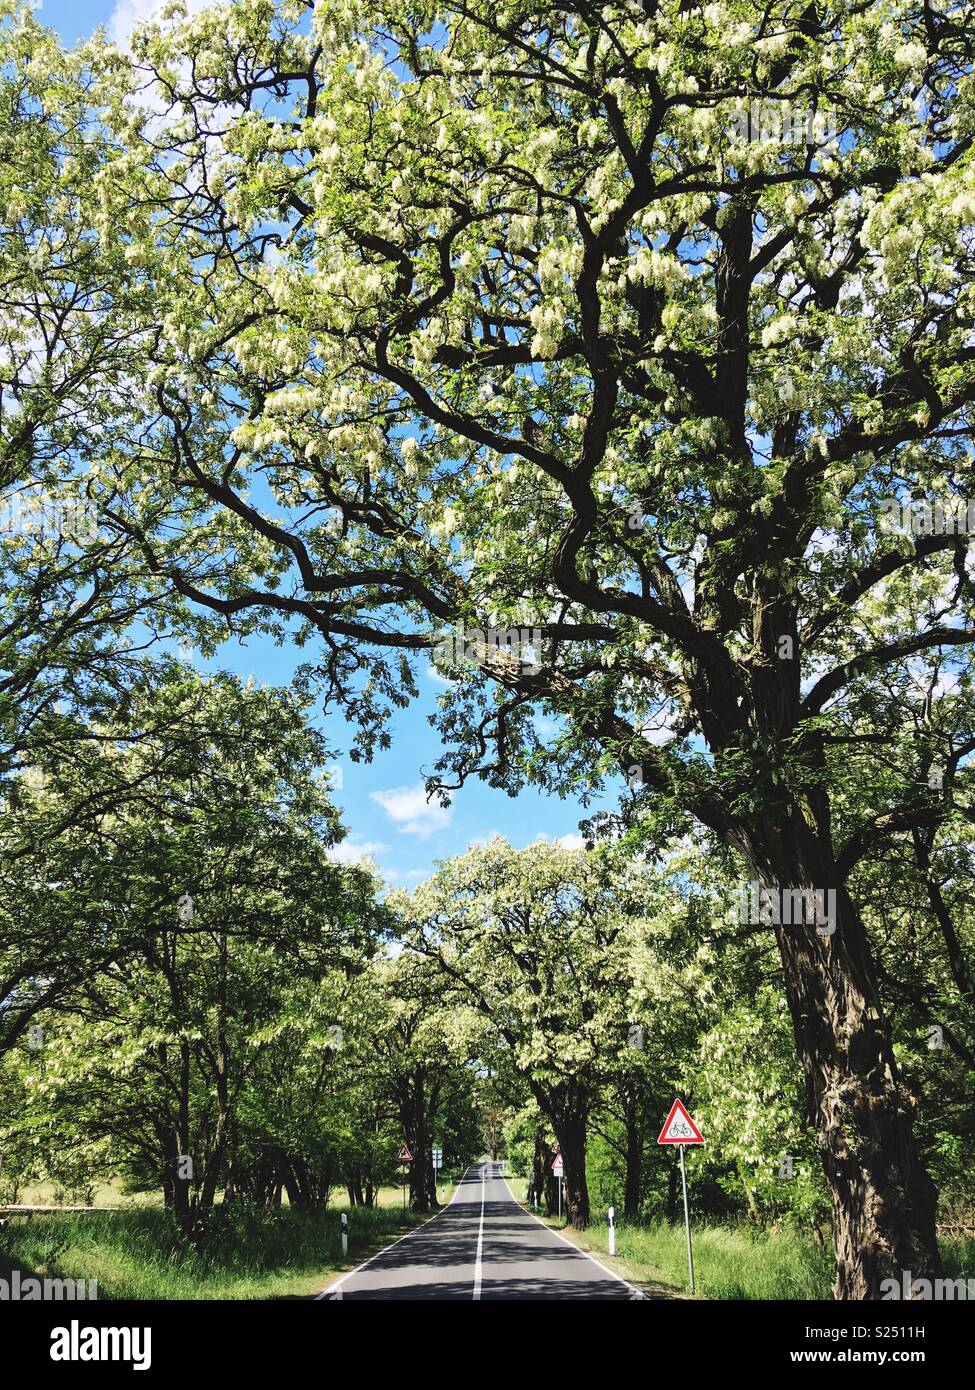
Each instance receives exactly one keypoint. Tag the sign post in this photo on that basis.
(687, 1217)
(680, 1129)
(558, 1168)
(612, 1230)
(404, 1156)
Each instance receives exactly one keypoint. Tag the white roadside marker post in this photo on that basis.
(345, 1234)
(612, 1230)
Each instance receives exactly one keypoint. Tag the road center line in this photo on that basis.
(334, 1290)
(480, 1245)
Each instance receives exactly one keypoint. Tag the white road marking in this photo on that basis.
(637, 1294)
(334, 1291)
(480, 1244)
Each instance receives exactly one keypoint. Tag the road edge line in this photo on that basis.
(478, 1268)
(579, 1251)
(330, 1289)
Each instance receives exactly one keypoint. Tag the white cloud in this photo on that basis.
(129, 14)
(563, 841)
(544, 727)
(348, 852)
(570, 842)
(432, 674)
(482, 841)
(410, 811)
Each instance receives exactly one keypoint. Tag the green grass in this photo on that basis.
(105, 1194)
(958, 1255)
(250, 1253)
(735, 1262)
(730, 1262)
(259, 1254)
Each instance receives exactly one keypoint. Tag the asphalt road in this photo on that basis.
(482, 1245)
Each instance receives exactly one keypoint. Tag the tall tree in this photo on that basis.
(583, 322)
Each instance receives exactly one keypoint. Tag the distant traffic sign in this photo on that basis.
(558, 1168)
(404, 1155)
(679, 1128)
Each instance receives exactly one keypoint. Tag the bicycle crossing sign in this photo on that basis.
(679, 1128)
(558, 1167)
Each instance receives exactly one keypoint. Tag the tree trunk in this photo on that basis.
(540, 1158)
(233, 1175)
(415, 1125)
(551, 1191)
(634, 1158)
(170, 1150)
(571, 1134)
(214, 1163)
(182, 1180)
(883, 1202)
(292, 1184)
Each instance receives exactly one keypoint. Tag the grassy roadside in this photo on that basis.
(646, 1278)
(730, 1262)
(103, 1194)
(250, 1254)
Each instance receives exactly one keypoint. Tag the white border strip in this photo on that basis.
(638, 1293)
(480, 1241)
(330, 1289)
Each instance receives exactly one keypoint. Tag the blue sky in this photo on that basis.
(383, 803)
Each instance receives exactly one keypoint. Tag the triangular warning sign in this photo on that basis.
(679, 1128)
(404, 1155)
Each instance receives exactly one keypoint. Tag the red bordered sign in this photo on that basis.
(679, 1128)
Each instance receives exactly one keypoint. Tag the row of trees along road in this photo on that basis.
(606, 983)
(522, 329)
(540, 998)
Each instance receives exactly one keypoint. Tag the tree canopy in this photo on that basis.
(633, 342)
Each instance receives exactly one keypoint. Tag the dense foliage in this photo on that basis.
(634, 349)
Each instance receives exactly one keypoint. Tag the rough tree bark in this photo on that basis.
(570, 1131)
(634, 1157)
(883, 1202)
(541, 1168)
